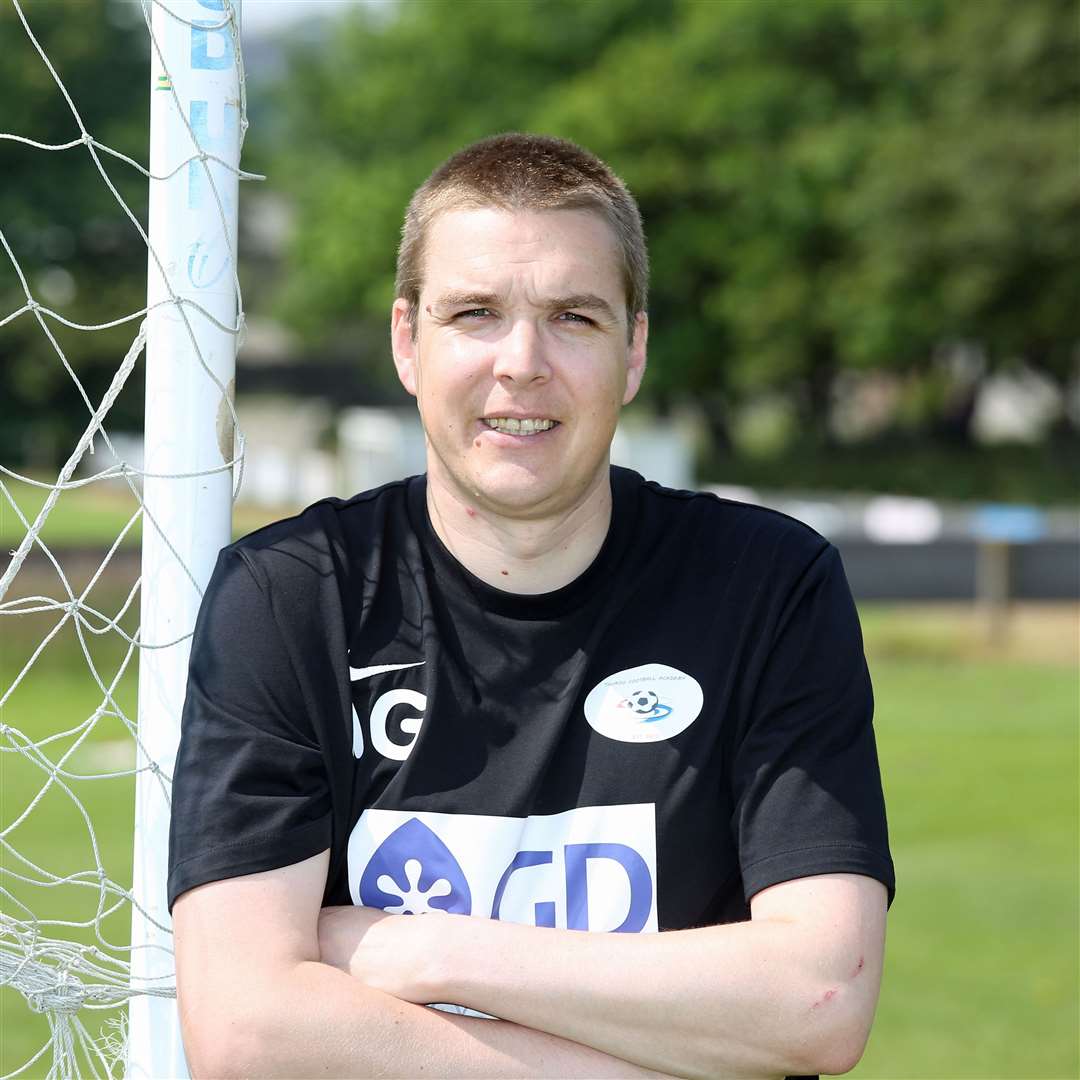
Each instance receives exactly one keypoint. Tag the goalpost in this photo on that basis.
(182, 493)
(192, 299)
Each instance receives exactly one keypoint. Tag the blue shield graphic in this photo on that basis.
(413, 870)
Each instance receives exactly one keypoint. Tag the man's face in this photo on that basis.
(522, 356)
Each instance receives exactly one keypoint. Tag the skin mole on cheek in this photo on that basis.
(858, 967)
(505, 573)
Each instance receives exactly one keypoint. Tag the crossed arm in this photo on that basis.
(270, 985)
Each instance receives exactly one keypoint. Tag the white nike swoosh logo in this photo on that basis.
(358, 673)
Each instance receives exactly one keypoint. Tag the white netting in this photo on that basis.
(67, 738)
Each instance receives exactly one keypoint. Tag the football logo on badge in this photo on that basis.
(644, 704)
(647, 705)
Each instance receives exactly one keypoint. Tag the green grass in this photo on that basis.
(93, 516)
(979, 751)
(59, 694)
(980, 768)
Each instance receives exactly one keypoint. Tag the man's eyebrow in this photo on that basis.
(583, 302)
(456, 298)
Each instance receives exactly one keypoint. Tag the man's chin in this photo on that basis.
(515, 489)
(516, 492)
(522, 498)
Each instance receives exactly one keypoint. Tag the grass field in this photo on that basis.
(979, 751)
(93, 516)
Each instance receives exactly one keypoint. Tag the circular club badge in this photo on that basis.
(644, 704)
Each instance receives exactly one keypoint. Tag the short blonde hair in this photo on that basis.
(524, 172)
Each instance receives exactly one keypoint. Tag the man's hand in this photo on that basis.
(391, 953)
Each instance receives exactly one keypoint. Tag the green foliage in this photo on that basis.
(393, 97)
(1044, 474)
(81, 256)
(825, 186)
(828, 187)
(967, 211)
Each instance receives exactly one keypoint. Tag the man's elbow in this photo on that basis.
(833, 1042)
(209, 1058)
(223, 1043)
(840, 1055)
(802, 1043)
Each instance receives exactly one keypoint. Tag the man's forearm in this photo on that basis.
(313, 1020)
(780, 994)
(718, 1002)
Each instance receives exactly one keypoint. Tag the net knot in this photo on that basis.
(86, 139)
(65, 997)
(32, 305)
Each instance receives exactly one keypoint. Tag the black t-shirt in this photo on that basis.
(683, 725)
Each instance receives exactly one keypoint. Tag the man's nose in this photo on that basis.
(521, 356)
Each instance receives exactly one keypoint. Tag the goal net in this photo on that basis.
(108, 554)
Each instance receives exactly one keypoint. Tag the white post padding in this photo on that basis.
(190, 365)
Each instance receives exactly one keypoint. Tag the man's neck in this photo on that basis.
(527, 556)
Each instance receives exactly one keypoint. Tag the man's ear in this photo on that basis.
(403, 345)
(636, 356)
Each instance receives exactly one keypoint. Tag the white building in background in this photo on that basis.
(1016, 407)
(286, 464)
(377, 446)
(661, 450)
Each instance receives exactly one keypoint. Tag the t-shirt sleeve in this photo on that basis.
(807, 785)
(250, 790)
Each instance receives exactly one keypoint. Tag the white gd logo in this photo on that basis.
(590, 868)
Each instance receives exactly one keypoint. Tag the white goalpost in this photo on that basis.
(191, 327)
(182, 493)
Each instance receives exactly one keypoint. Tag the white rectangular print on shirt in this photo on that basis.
(592, 868)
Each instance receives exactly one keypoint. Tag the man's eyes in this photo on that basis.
(485, 313)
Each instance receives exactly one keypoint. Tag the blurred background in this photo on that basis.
(863, 218)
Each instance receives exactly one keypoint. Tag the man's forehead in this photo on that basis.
(482, 250)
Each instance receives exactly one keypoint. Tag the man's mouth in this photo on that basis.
(512, 425)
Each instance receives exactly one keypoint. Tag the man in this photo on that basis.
(534, 689)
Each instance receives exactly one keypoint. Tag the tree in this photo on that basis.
(967, 214)
(81, 256)
(366, 112)
(827, 187)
